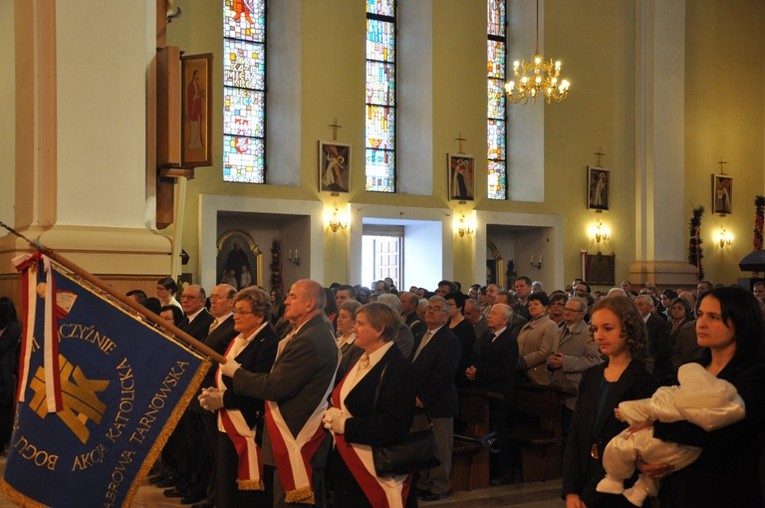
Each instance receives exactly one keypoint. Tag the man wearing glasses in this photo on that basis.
(577, 352)
(436, 359)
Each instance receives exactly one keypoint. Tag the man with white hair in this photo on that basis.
(404, 339)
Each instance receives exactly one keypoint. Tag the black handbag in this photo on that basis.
(417, 451)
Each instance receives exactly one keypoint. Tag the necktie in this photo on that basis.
(425, 339)
(214, 325)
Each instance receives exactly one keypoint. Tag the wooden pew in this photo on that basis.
(470, 460)
(535, 428)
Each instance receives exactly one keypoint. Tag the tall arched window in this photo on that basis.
(496, 56)
(244, 91)
(381, 96)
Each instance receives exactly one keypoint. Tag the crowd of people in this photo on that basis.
(315, 379)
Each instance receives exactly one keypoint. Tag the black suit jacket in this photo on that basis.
(217, 340)
(495, 363)
(580, 476)
(390, 419)
(258, 356)
(660, 345)
(435, 368)
(199, 327)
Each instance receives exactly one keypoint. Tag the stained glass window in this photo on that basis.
(244, 91)
(496, 60)
(381, 96)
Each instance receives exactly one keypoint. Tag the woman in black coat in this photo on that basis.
(372, 406)
(727, 473)
(10, 338)
(620, 333)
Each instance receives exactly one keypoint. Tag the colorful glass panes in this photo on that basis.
(381, 96)
(244, 19)
(243, 159)
(381, 171)
(383, 7)
(243, 112)
(496, 106)
(381, 40)
(244, 96)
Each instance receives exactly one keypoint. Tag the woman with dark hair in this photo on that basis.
(464, 331)
(346, 322)
(166, 290)
(330, 307)
(730, 326)
(665, 301)
(679, 314)
(277, 304)
(10, 338)
(372, 406)
(171, 314)
(620, 333)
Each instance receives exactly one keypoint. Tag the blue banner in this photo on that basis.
(124, 385)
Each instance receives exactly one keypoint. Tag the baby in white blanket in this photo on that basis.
(701, 399)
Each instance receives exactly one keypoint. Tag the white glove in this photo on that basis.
(229, 367)
(334, 420)
(211, 399)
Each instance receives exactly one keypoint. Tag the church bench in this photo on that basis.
(535, 428)
(470, 459)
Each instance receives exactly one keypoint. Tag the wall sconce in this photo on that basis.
(336, 221)
(464, 228)
(293, 258)
(725, 238)
(599, 232)
(538, 264)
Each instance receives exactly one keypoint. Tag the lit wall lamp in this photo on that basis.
(600, 233)
(293, 257)
(725, 238)
(464, 227)
(336, 221)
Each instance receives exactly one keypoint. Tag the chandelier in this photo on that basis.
(538, 78)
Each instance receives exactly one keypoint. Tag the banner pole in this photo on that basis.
(106, 288)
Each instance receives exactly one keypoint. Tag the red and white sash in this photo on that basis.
(293, 455)
(250, 470)
(386, 492)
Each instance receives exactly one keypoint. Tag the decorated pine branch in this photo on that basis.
(695, 251)
(276, 264)
(759, 220)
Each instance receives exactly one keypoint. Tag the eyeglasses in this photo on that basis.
(435, 309)
(242, 312)
(572, 310)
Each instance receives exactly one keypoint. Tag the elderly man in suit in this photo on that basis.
(576, 352)
(516, 321)
(194, 465)
(493, 369)
(296, 392)
(220, 334)
(472, 312)
(436, 358)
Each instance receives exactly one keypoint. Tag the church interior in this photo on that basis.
(663, 96)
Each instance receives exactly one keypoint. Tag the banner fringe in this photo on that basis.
(303, 495)
(250, 485)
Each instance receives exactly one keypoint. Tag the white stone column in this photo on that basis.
(660, 224)
(84, 85)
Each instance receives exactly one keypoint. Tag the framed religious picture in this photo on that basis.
(239, 262)
(722, 194)
(598, 188)
(196, 109)
(461, 174)
(600, 269)
(334, 166)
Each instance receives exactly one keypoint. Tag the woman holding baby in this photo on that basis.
(727, 472)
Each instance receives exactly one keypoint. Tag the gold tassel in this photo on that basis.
(250, 485)
(303, 495)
